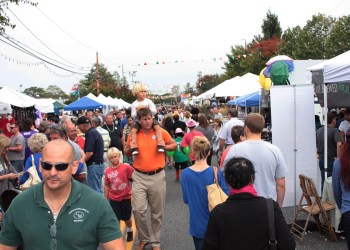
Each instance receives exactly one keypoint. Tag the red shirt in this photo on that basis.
(80, 141)
(118, 180)
(187, 139)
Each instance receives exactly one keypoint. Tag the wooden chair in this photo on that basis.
(315, 208)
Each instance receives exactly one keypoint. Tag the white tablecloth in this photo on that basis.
(327, 195)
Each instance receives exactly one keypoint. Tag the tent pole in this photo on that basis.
(325, 111)
(295, 149)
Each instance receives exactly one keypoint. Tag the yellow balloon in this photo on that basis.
(264, 82)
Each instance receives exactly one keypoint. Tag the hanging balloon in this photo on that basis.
(264, 81)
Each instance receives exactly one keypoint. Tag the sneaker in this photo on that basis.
(129, 236)
(161, 149)
(134, 151)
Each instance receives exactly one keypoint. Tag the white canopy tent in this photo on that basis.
(237, 86)
(15, 98)
(45, 105)
(332, 87)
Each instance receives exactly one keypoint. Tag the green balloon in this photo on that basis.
(187, 150)
(170, 153)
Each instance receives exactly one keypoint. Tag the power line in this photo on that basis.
(329, 12)
(43, 42)
(14, 41)
(16, 46)
(75, 39)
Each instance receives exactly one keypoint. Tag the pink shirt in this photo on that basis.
(119, 182)
(187, 139)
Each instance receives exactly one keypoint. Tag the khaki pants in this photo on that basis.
(148, 190)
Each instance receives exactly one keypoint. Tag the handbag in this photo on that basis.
(33, 178)
(271, 219)
(215, 194)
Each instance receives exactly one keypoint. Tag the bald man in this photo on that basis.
(60, 213)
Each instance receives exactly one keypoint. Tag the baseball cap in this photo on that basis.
(178, 131)
(191, 123)
(83, 120)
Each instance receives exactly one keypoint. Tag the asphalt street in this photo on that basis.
(175, 233)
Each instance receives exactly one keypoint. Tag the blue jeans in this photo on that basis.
(198, 243)
(94, 176)
(18, 165)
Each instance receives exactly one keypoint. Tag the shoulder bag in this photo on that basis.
(33, 178)
(215, 194)
(271, 219)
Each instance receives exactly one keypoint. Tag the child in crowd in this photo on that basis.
(117, 189)
(139, 91)
(180, 159)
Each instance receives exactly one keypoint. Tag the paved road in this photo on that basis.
(175, 235)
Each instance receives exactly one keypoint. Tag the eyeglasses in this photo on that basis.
(61, 166)
(53, 231)
(12, 127)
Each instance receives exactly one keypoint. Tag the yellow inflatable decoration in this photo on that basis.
(264, 82)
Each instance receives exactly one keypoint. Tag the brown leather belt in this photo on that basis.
(151, 172)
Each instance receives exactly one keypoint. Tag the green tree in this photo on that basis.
(4, 19)
(35, 92)
(55, 92)
(309, 42)
(206, 82)
(338, 40)
(108, 81)
(271, 26)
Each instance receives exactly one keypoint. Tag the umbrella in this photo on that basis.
(264, 79)
(278, 58)
(279, 73)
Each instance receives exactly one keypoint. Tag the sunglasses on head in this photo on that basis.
(61, 166)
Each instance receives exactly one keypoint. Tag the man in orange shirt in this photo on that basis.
(149, 186)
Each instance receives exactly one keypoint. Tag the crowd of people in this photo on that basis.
(104, 168)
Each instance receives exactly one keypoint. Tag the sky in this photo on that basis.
(175, 39)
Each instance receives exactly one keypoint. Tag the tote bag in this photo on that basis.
(215, 194)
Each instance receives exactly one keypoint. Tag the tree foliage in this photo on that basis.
(110, 84)
(4, 19)
(55, 92)
(35, 92)
(271, 26)
(206, 82)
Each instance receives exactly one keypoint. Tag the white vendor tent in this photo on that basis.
(15, 98)
(45, 105)
(237, 86)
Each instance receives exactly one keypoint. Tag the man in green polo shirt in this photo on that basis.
(60, 213)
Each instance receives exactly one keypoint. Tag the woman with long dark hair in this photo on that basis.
(208, 131)
(341, 186)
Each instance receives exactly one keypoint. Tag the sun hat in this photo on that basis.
(178, 131)
(191, 123)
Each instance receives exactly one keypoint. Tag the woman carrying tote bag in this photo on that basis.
(194, 182)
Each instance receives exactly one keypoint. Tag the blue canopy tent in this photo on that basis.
(249, 100)
(84, 103)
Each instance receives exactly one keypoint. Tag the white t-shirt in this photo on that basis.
(268, 162)
(226, 130)
(146, 102)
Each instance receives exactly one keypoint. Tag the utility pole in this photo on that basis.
(97, 75)
(123, 82)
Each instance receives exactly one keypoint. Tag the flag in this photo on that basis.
(75, 90)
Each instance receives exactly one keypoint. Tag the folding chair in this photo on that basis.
(315, 208)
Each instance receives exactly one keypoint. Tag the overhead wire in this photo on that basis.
(44, 43)
(20, 48)
(13, 40)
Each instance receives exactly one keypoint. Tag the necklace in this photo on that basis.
(107, 126)
(55, 210)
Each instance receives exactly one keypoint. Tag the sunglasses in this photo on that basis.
(53, 232)
(61, 166)
(12, 127)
